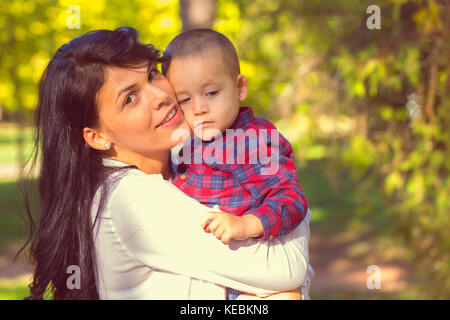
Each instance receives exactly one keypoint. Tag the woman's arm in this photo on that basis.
(160, 226)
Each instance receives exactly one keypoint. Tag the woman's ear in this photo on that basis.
(242, 83)
(95, 139)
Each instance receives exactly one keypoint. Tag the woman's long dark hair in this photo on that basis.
(70, 171)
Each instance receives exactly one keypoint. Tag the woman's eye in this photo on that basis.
(130, 99)
(152, 74)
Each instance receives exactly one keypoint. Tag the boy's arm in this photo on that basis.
(227, 227)
(283, 203)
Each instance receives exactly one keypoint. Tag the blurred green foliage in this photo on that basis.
(31, 31)
(12, 225)
(371, 106)
(14, 289)
(8, 140)
(376, 102)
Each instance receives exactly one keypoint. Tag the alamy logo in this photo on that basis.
(374, 20)
(73, 20)
(374, 280)
(250, 146)
(74, 280)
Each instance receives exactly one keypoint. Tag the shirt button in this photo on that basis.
(183, 176)
(270, 237)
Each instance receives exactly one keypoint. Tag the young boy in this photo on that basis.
(256, 199)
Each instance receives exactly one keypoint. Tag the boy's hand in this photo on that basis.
(227, 227)
(224, 226)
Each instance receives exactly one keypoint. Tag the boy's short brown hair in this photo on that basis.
(197, 41)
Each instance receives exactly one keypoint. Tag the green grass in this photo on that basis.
(335, 209)
(8, 142)
(339, 202)
(14, 289)
(326, 203)
(13, 232)
(354, 207)
(12, 225)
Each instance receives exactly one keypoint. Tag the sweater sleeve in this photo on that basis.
(160, 226)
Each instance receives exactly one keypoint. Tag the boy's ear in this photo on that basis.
(242, 83)
(95, 139)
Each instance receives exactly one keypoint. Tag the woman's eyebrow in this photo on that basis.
(125, 89)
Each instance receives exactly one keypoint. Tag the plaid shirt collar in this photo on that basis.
(245, 116)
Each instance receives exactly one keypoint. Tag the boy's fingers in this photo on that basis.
(204, 221)
(207, 218)
(214, 226)
(226, 238)
(219, 233)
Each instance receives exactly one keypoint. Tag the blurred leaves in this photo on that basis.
(31, 31)
(387, 95)
(374, 103)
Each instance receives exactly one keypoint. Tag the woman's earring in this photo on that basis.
(107, 146)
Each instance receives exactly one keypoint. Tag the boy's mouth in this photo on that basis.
(199, 124)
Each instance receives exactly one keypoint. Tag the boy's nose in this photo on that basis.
(200, 108)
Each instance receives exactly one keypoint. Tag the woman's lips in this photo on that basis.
(173, 120)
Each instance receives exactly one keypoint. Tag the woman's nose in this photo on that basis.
(160, 97)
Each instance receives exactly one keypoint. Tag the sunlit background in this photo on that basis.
(366, 110)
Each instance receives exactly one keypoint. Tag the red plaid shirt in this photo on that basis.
(245, 181)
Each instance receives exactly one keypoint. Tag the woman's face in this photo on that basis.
(138, 112)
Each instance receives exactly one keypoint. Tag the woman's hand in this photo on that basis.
(227, 227)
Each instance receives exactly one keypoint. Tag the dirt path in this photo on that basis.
(9, 170)
(340, 264)
(9, 268)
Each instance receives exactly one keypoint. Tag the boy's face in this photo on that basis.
(207, 92)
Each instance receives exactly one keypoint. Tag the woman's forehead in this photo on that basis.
(117, 78)
(113, 72)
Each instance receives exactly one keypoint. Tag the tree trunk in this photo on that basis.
(197, 13)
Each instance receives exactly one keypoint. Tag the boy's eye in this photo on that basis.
(212, 93)
(184, 100)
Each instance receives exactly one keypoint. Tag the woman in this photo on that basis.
(105, 121)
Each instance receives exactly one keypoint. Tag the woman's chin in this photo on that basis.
(180, 134)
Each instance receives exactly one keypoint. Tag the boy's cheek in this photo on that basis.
(188, 117)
